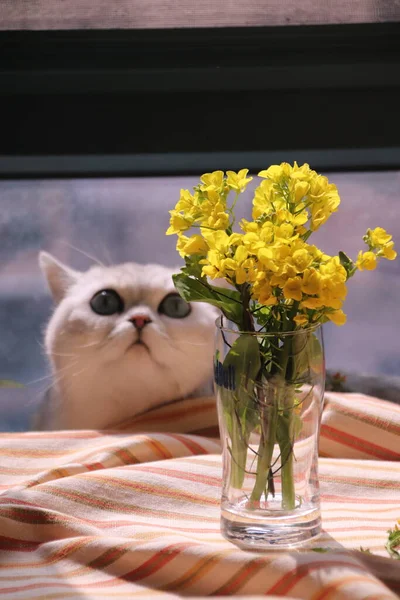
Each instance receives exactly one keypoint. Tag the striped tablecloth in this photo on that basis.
(134, 512)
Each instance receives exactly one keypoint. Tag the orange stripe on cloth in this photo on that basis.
(339, 498)
(197, 477)
(292, 578)
(156, 562)
(356, 442)
(190, 443)
(172, 413)
(114, 506)
(61, 554)
(156, 490)
(331, 590)
(152, 529)
(361, 481)
(373, 418)
(197, 571)
(242, 577)
(15, 545)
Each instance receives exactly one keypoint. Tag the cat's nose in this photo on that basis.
(139, 321)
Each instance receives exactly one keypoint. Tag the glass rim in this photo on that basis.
(219, 324)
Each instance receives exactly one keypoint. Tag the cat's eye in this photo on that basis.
(107, 302)
(174, 306)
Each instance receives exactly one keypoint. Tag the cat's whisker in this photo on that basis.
(40, 394)
(42, 391)
(40, 344)
(108, 255)
(96, 260)
(178, 342)
(91, 345)
(79, 372)
(187, 343)
(64, 355)
(73, 354)
(61, 375)
(40, 379)
(51, 375)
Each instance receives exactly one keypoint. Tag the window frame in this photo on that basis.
(210, 83)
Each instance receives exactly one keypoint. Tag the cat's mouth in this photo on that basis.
(140, 342)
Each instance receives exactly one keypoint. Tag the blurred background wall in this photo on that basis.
(124, 219)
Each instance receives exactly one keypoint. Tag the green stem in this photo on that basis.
(265, 451)
(288, 491)
(279, 428)
(285, 439)
(239, 455)
(286, 450)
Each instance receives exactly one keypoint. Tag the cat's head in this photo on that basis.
(122, 338)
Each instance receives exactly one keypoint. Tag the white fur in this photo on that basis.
(101, 377)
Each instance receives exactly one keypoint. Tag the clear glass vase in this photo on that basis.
(269, 388)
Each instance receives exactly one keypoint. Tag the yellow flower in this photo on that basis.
(319, 216)
(281, 253)
(276, 172)
(312, 303)
(214, 265)
(217, 240)
(210, 271)
(178, 223)
(266, 199)
(253, 242)
(262, 292)
(301, 259)
(235, 239)
(212, 181)
(378, 236)
(285, 231)
(298, 190)
(196, 244)
(218, 219)
(311, 282)
(270, 253)
(389, 252)
(332, 269)
(366, 261)
(300, 319)
(304, 172)
(238, 181)
(249, 226)
(292, 289)
(187, 202)
(266, 258)
(333, 294)
(337, 317)
(267, 232)
(241, 254)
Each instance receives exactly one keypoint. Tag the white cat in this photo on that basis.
(121, 341)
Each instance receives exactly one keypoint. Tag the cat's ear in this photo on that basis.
(59, 277)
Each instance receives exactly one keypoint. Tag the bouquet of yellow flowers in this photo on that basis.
(278, 282)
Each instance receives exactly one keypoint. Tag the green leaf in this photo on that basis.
(239, 409)
(262, 314)
(393, 543)
(193, 266)
(244, 357)
(195, 290)
(8, 383)
(306, 351)
(347, 263)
